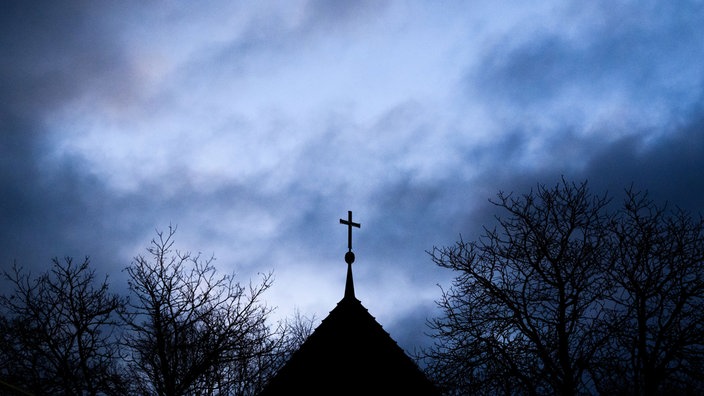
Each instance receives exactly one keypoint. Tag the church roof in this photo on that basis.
(350, 353)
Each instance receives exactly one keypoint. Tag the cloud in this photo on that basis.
(627, 67)
(668, 168)
(253, 128)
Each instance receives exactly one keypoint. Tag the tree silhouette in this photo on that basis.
(191, 331)
(655, 322)
(57, 332)
(276, 349)
(566, 296)
(520, 314)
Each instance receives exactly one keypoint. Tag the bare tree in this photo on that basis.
(58, 332)
(192, 331)
(571, 296)
(266, 358)
(520, 316)
(655, 324)
(296, 331)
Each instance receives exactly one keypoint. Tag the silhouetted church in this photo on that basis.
(349, 353)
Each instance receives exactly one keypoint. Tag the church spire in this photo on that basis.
(349, 283)
(349, 256)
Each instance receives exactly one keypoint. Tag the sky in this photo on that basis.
(254, 126)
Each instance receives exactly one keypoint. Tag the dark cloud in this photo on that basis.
(409, 331)
(48, 211)
(610, 93)
(669, 167)
(644, 54)
(53, 52)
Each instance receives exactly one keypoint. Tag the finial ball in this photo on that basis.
(349, 257)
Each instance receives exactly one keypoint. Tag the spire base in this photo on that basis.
(349, 283)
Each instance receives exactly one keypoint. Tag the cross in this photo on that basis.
(349, 224)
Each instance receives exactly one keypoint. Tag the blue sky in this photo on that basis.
(254, 126)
